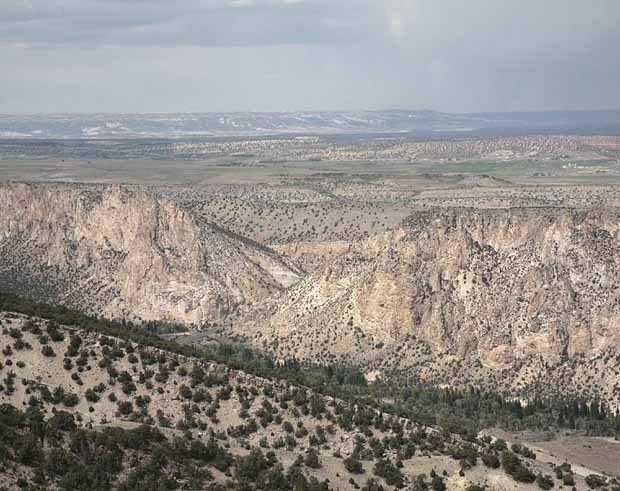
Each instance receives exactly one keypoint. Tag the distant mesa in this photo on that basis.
(205, 125)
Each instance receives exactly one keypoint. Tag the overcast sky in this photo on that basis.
(278, 55)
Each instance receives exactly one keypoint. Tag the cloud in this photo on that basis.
(453, 55)
(159, 22)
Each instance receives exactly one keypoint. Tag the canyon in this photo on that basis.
(520, 300)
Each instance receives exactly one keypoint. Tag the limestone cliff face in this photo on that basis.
(122, 253)
(487, 285)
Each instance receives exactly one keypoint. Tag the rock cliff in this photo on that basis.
(122, 253)
(489, 289)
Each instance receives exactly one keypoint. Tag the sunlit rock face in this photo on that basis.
(486, 289)
(122, 253)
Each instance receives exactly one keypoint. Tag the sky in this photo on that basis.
(294, 55)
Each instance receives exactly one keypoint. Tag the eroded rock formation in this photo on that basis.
(489, 289)
(122, 253)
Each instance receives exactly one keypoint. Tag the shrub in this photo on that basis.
(291, 443)
(47, 350)
(15, 333)
(490, 459)
(389, 472)
(62, 421)
(523, 450)
(201, 395)
(54, 334)
(500, 445)
(353, 465)
(595, 481)
(91, 395)
(523, 474)
(465, 453)
(438, 484)
(371, 485)
(568, 480)
(128, 387)
(125, 408)
(312, 459)
(185, 392)
(301, 431)
(544, 482)
(513, 466)
(70, 400)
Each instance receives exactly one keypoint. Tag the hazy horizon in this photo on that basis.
(316, 111)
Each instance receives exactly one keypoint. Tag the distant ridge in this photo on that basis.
(207, 125)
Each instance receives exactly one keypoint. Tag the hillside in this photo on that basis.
(81, 409)
(123, 253)
(523, 301)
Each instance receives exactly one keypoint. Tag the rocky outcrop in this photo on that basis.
(122, 253)
(517, 299)
(488, 288)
